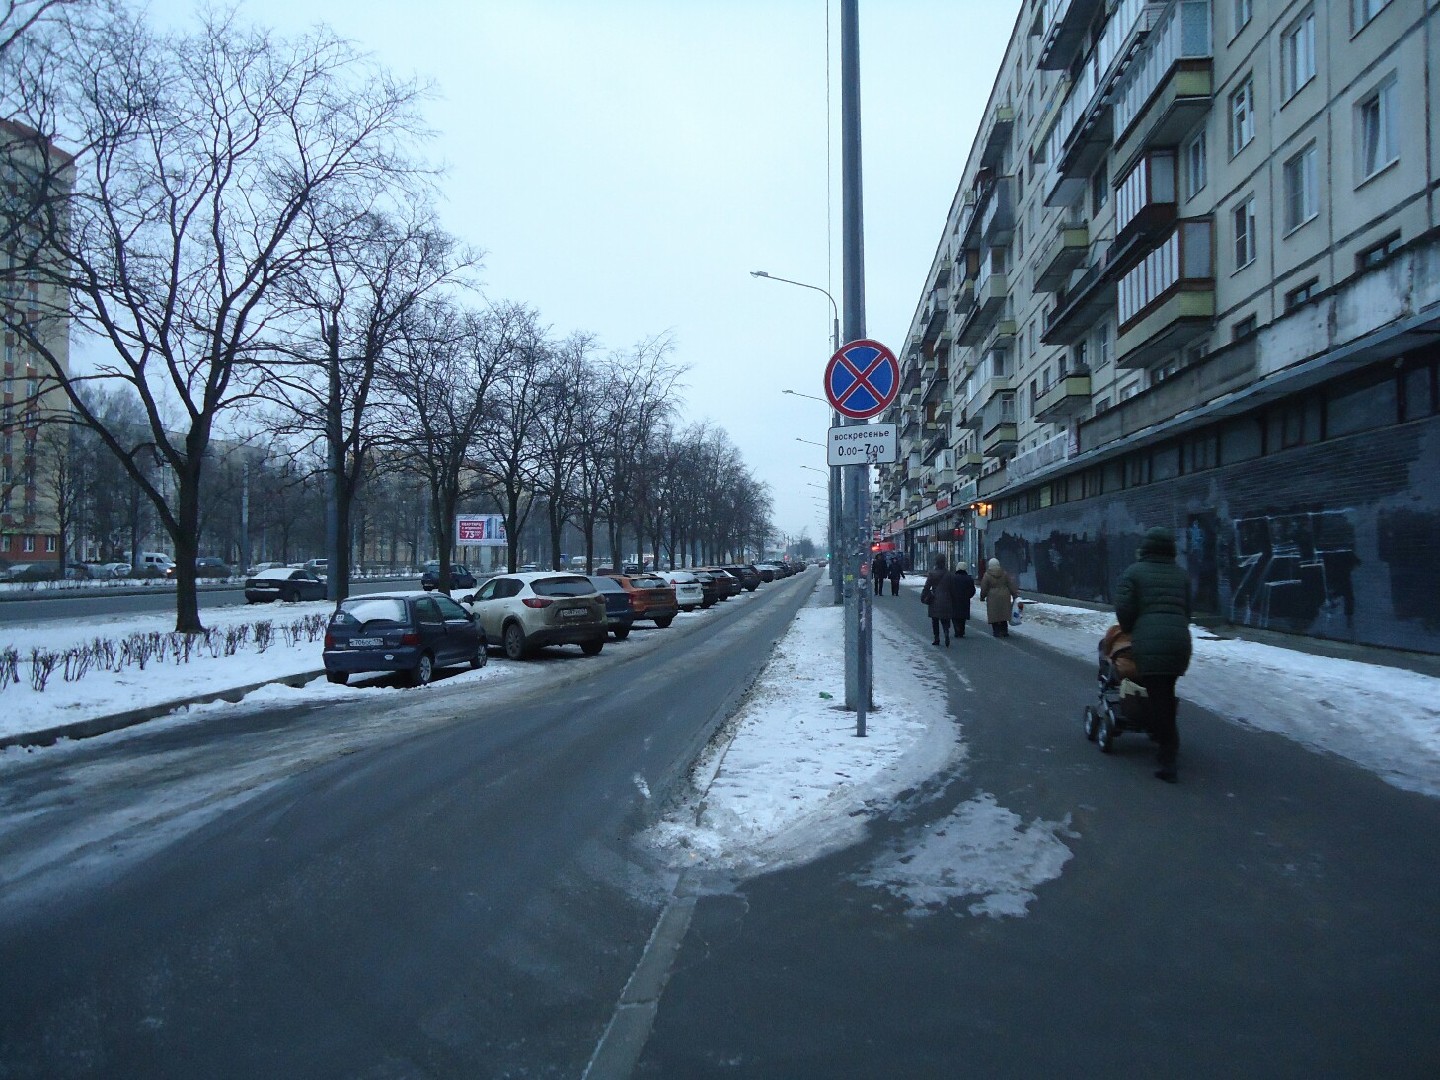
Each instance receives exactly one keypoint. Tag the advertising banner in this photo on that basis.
(480, 530)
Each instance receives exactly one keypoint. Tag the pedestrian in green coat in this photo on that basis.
(1152, 605)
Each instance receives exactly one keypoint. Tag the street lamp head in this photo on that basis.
(758, 273)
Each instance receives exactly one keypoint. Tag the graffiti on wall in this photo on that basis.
(1202, 562)
(1289, 571)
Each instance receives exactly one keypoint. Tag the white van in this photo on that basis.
(152, 564)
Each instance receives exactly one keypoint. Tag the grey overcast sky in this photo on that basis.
(626, 163)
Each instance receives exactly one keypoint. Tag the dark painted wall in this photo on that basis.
(1340, 539)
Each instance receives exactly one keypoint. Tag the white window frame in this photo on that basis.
(1301, 192)
(29, 543)
(1196, 166)
(1377, 138)
(1242, 115)
(1297, 55)
(1363, 12)
(1242, 11)
(1242, 222)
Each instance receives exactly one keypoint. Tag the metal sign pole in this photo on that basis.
(857, 608)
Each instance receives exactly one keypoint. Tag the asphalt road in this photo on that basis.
(1275, 914)
(429, 883)
(47, 605)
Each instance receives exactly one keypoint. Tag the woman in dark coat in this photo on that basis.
(962, 589)
(1152, 605)
(936, 594)
(895, 567)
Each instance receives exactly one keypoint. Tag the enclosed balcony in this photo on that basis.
(1067, 396)
(1168, 299)
(994, 376)
(1084, 131)
(997, 137)
(998, 433)
(968, 462)
(1066, 22)
(1065, 251)
(997, 219)
(1145, 202)
(1170, 85)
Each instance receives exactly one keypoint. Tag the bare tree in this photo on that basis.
(200, 154)
(437, 382)
(372, 270)
(559, 448)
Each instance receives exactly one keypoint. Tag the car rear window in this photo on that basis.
(378, 609)
(562, 586)
(649, 583)
(606, 584)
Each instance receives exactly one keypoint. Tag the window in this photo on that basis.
(1376, 254)
(1301, 294)
(1242, 115)
(1099, 188)
(1362, 11)
(29, 544)
(1194, 163)
(1244, 328)
(1102, 344)
(1302, 199)
(1297, 55)
(1243, 10)
(1375, 129)
(50, 544)
(1243, 218)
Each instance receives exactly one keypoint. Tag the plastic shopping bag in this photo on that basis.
(1017, 612)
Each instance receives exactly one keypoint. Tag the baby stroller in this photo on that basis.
(1123, 704)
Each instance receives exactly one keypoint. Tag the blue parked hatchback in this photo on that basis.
(619, 615)
(409, 632)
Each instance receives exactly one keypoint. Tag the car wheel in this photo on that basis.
(621, 632)
(514, 642)
(337, 677)
(423, 671)
(480, 659)
(663, 623)
(592, 648)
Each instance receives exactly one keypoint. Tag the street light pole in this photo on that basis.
(837, 511)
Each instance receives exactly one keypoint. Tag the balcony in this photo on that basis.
(1066, 22)
(1145, 201)
(1170, 85)
(997, 220)
(1066, 251)
(1079, 306)
(963, 298)
(1084, 130)
(1168, 299)
(968, 462)
(936, 387)
(1066, 396)
(933, 319)
(990, 295)
(997, 137)
(1000, 440)
(942, 273)
(1002, 334)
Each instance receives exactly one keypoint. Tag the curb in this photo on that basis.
(101, 725)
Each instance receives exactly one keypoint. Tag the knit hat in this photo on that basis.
(1158, 541)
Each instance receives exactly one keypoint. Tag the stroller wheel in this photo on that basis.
(1092, 722)
(1105, 736)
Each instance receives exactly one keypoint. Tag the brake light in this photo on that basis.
(537, 601)
(329, 640)
(410, 639)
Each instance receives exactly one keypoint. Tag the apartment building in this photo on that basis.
(33, 477)
(1191, 277)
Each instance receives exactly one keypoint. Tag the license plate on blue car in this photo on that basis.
(363, 642)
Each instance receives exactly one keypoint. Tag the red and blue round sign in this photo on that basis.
(862, 379)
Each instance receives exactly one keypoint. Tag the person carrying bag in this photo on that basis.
(936, 597)
(999, 596)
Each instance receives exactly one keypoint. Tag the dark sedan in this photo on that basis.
(460, 576)
(285, 583)
(409, 632)
(619, 616)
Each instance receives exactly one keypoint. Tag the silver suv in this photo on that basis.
(524, 612)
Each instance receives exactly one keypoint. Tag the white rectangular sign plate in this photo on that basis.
(864, 444)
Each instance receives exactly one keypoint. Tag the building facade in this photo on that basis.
(35, 478)
(1191, 277)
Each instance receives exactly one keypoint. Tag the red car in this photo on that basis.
(651, 597)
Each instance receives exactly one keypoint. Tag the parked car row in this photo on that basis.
(417, 632)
